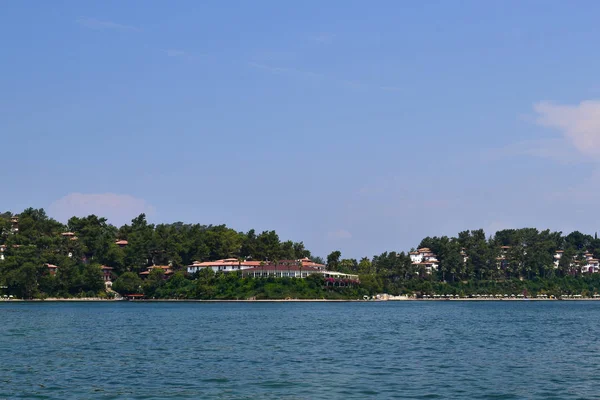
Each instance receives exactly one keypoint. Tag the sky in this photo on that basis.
(356, 126)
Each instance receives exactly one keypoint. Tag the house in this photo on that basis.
(424, 257)
(52, 269)
(14, 221)
(225, 265)
(590, 264)
(167, 269)
(557, 256)
(121, 243)
(106, 275)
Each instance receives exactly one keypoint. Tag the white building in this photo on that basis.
(233, 264)
(591, 264)
(294, 270)
(557, 256)
(426, 258)
(226, 265)
(14, 222)
(464, 255)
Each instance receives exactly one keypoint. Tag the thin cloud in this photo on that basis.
(579, 124)
(556, 149)
(92, 23)
(117, 208)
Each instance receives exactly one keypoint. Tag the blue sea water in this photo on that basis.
(402, 350)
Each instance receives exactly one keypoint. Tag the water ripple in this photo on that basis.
(404, 350)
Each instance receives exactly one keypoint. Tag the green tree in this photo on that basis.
(128, 283)
(333, 260)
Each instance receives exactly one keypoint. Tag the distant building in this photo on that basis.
(590, 264)
(14, 221)
(106, 275)
(424, 257)
(165, 268)
(52, 269)
(121, 243)
(501, 260)
(225, 265)
(557, 256)
(233, 264)
(464, 255)
(293, 269)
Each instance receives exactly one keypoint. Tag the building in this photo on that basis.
(2, 249)
(424, 257)
(501, 260)
(464, 255)
(281, 269)
(52, 269)
(225, 265)
(590, 264)
(167, 269)
(121, 243)
(557, 256)
(298, 270)
(234, 264)
(14, 221)
(106, 275)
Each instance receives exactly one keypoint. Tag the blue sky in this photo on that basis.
(351, 125)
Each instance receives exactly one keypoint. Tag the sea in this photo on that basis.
(293, 350)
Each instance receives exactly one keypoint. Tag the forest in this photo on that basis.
(509, 261)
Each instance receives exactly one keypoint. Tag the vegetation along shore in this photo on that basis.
(90, 259)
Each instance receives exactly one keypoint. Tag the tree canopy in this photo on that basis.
(79, 247)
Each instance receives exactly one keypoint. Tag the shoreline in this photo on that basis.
(96, 300)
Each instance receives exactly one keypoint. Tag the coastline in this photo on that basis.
(95, 300)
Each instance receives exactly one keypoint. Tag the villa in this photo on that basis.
(426, 258)
(557, 256)
(106, 275)
(591, 265)
(298, 269)
(234, 264)
(285, 268)
(225, 265)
